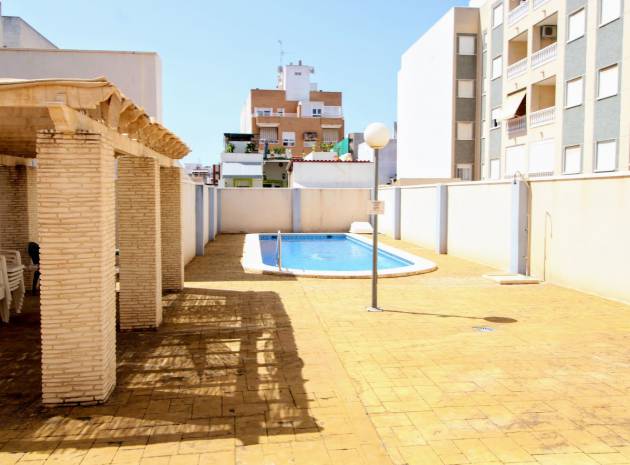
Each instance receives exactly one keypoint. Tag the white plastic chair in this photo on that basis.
(15, 276)
(5, 293)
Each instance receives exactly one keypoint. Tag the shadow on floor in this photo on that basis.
(491, 319)
(225, 253)
(223, 365)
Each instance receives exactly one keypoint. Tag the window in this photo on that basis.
(608, 82)
(497, 15)
(269, 135)
(575, 92)
(495, 118)
(484, 40)
(466, 88)
(609, 11)
(495, 169)
(330, 136)
(280, 111)
(572, 160)
(317, 112)
(466, 44)
(263, 111)
(288, 139)
(464, 171)
(577, 23)
(515, 160)
(541, 157)
(465, 130)
(606, 156)
(497, 67)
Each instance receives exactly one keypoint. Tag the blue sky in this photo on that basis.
(214, 51)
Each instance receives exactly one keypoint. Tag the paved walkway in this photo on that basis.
(254, 369)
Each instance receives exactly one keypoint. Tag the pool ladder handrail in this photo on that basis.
(279, 251)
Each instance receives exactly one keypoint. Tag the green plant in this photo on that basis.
(250, 147)
(326, 147)
(279, 150)
(229, 148)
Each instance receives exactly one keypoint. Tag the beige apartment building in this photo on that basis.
(296, 115)
(549, 92)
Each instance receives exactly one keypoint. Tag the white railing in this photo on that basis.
(518, 12)
(517, 126)
(544, 116)
(332, 112)
(516, 69)
(545, 55)
(538, 3)
(288, 115)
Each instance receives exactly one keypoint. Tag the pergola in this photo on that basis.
(105, 175)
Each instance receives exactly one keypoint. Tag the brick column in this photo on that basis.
(140, 244)
(171, 225)
(78, 291)
(16, 208)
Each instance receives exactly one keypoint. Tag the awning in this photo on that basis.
(241, 170)
(513, 102)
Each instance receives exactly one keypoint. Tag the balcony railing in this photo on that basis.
(544, 116)
(538, 3)
(516, 69)
(268, 113)
(332, 112)
(545, 55)
(517, 126)
(517, 13)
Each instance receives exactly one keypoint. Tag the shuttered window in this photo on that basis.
(269, 134)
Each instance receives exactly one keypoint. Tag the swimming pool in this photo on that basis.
(327, 255)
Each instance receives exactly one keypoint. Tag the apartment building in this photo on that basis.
(438, 100)
(550, 90)
(294, 116)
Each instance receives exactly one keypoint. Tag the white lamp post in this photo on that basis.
(376, 135)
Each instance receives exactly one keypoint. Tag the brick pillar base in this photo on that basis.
(78, 290)
(139, 239)
(171, 228)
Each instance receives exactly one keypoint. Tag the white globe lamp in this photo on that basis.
(376, 135)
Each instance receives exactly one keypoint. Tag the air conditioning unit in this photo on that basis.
(549, 32)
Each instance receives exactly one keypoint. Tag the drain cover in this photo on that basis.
(483, 329)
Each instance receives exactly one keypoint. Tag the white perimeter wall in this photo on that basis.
(580, 234)
(188, 220)
(418, 215)
(252, 210)
(425, 104)
(332, 210)
(479, 222)
(387, 222)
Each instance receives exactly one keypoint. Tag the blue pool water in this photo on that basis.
(325, 252)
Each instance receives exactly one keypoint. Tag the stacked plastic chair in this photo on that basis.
(12, 270)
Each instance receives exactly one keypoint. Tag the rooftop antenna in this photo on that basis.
(281, 52)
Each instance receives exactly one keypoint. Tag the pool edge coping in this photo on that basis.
(252, 261)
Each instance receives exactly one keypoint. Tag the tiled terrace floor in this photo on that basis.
(251, 369)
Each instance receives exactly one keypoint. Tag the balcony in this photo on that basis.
(332, 112)
(545, 55)
(517, 13)
(517, 126)
(542, 117)
(516, 69)
(271, 114)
